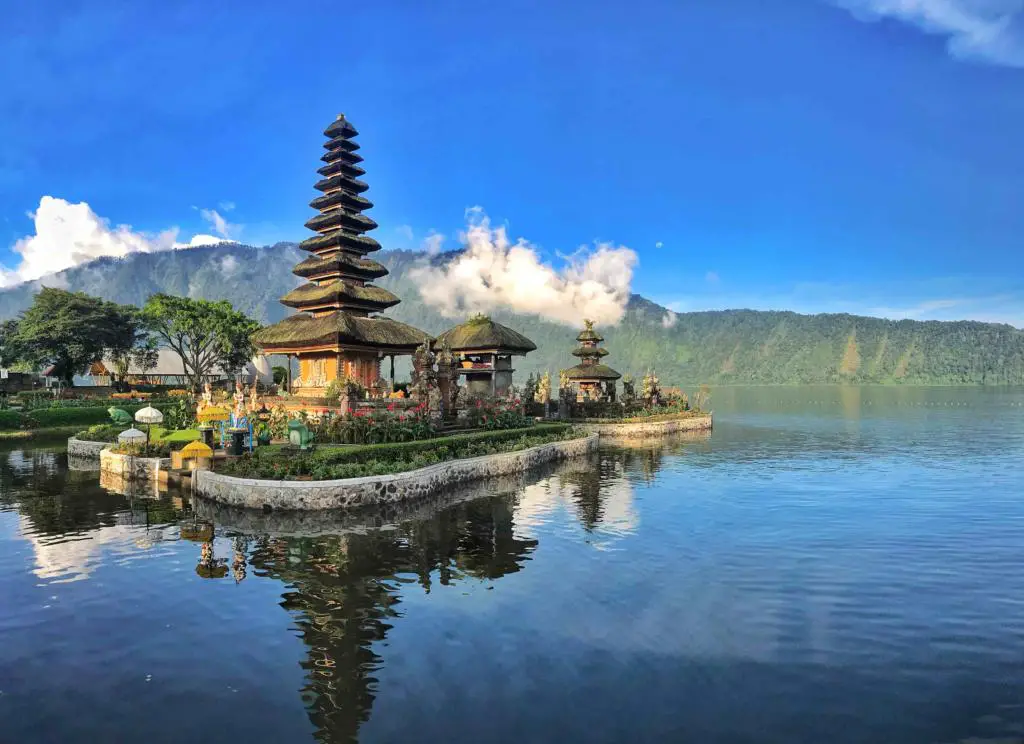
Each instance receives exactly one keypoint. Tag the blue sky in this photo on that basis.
(857, 155)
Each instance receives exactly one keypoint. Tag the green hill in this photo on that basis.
(732, 346)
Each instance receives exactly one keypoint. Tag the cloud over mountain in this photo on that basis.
(68, 235)
(495, 273)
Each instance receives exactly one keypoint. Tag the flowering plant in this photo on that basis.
(503, 413)
(377, 425)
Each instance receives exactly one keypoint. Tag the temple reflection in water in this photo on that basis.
(343, 590)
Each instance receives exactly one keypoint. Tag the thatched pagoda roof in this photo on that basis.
(481, 333)
(591, 372)
(340, 167)
(344, 264)
(340, 127)
(340, 239)
(341, 292)
(341, 198)
(341, 182)
(340, 328)
(589, 351)
(336, 218)
(349, 157)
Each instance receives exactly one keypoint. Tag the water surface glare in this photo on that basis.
(832, 565)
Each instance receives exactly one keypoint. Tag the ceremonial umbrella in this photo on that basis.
(149, 416)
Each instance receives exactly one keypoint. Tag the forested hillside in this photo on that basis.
(733, 346)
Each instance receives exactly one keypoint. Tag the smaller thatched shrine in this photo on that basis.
(484, 350)
(592, 379)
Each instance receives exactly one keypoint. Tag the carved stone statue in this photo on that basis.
(650, 392)
(423, 377)
(239, 398)
(254, 399)
(207, 398)
(543, 393)
(530, 389)
(628, 389)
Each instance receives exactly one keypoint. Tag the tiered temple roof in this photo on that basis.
(338, 300)
(481, 334)
(590, 353)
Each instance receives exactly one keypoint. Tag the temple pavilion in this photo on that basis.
(484, 350)
(593, 380)
(337, 332)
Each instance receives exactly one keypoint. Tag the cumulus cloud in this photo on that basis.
(68, 235)
(659, 244)
(494, 272)
(989, 30)
(669, 320)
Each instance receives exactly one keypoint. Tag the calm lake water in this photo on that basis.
(832, 565)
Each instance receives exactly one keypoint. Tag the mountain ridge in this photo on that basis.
(713, 346)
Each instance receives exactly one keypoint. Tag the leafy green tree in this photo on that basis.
(205, 334)
(132, 343)
(10, 351)
(68, 330)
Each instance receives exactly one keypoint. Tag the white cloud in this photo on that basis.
(221, 227)
(229, 265)
(493, 272)
(433, 243)
(990, 30)
(68, 235)
(405, 232)
(659, 244)
(670, 320)
(226, 206)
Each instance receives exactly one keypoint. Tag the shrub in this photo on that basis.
(381, 459)
(153, 449)
(99, 433)
(11, 420)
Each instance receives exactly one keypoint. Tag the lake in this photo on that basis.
(831, 565)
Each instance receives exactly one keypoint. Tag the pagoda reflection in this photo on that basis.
(345, 591)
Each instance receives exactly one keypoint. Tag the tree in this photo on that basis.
(205, 334)
(132, 342)
(10, 351)
(65, 330)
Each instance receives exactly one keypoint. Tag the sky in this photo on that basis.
(813, 155)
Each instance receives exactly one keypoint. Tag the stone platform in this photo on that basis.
(350, 493)
(646, 429)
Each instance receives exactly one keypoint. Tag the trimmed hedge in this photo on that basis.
(10, 420)
(328, 463)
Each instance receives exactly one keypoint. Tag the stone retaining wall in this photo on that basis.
(645, 429)
(374, 517)
(384, 489)
(130, 467)
(81, 449)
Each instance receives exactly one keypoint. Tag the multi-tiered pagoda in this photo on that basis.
(337, 332)
(592, 379)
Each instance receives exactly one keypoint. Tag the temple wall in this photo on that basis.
(316, 371)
